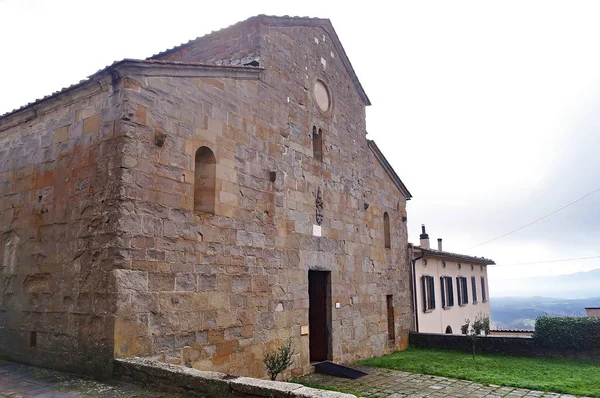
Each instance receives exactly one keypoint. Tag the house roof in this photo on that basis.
(286, 20)
(183, 69)
(454, 256)
(389, 169)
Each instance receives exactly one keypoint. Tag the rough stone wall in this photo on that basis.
(215, 292)
(58, 213)
(235, 45)
(363, 271)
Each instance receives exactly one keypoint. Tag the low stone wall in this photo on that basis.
(196, 383)
(503, 345)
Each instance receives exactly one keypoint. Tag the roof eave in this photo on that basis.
(455, 256)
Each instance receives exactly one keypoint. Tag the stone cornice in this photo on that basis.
(109, 76)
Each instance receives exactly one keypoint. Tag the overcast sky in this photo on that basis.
(488, 111)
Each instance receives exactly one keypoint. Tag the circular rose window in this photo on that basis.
(322, 96)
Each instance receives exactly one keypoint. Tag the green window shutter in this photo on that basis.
(451, 298)
(443, 290)
(474, 287)
(465, 291)
(432, 287)
(483, 292)
(458, 290)
(424, 292)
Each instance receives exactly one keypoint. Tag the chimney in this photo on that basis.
(424, 238)
(440, 244)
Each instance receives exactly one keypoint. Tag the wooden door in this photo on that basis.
(390, 318)
(319, 315)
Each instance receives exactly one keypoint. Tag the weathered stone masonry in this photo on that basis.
(120, 250)
(59, 205)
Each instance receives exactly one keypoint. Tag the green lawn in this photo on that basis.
(557, 375)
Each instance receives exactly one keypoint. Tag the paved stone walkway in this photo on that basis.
(20, 381)
(386, 383)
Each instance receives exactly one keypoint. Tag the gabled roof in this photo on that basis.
(454, 256)
(270, 20)
(389, 170)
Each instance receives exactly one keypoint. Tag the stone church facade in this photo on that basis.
(201, 207)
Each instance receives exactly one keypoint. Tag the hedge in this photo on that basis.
(567, 332)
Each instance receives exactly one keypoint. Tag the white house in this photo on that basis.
(449, 288)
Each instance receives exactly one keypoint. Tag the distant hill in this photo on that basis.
(521, 312)
(572, 286)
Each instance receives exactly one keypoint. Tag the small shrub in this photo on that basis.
(481, 324)
(279, 360)
(568, 333)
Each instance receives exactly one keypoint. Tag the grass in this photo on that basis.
(556, 375)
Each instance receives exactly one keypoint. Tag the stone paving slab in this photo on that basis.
(21, 381)
(387, 383)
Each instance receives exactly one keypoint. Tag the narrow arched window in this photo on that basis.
(317, 141)
(386, 230)
(205, 172)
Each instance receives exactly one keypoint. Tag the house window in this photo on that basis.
(447, 291)
(474, 287)
(317, 141)
(483, 292)
(461, 290)
(205, 172)
(386, 230)
(428, 289)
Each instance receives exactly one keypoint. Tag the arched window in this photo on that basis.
(205, 172)
(317, 141)
(448, 330)
(386, 230)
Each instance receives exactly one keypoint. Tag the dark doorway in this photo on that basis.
(448, 330)
(390, 318)
(319, 315)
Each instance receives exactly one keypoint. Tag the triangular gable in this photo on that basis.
(388, 169)
(267, 20)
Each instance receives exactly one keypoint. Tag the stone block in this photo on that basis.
(206, 282)
(214, 83)
(130, 280)
(185, 282)
(131, 84)
(91, 124)
(309, 392)
(264, 388)
(140, 114)
(161, 282)
(61, 134)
